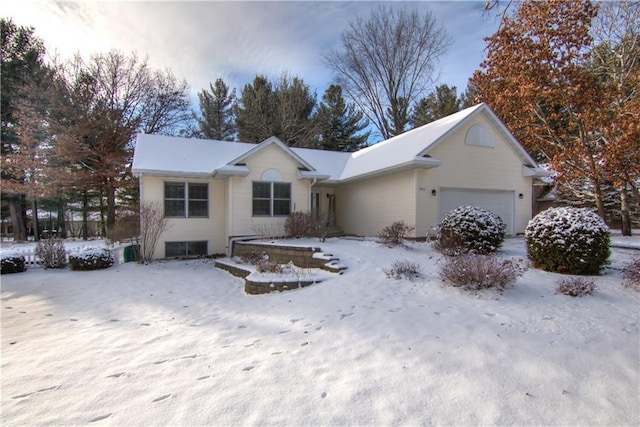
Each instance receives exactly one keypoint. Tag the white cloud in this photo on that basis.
(200, 41)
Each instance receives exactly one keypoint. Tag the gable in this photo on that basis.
(489, 154)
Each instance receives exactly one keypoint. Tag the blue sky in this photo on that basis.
(200, 41)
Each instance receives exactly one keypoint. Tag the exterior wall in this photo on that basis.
(366, 207)
(240, 219)
(472, 167)
(190, 229)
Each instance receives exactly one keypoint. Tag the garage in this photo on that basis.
(500, 202)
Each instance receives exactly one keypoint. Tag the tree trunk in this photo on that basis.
(85, 214)
(597, 193)
(36, 229)
(625, 218)
(17, 220)
(103, 228)
(111, 206)
(62, 224)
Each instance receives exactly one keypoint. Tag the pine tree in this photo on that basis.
(21, 70)
(217, 116)
(255, 111)
(284, 109)
(340, 123)
(442, 102)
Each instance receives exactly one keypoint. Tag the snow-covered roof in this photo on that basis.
(163, 155)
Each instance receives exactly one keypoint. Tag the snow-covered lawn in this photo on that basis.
(179, 343)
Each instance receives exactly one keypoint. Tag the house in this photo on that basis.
(213, 191)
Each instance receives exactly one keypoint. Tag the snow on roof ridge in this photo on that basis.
(455, 117)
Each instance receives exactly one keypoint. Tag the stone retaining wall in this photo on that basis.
(301, 256)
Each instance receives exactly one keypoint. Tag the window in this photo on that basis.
(185, 249)
(177, 204)
(271, 198)
(479, 135)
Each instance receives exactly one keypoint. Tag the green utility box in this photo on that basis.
(131, 253)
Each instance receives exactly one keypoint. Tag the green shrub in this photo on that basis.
(469, 228)
(12, 262)
(91, 259)
(395, 234)
(51, 253)
(568, 240)
(298, 224)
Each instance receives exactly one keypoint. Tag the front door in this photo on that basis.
(331, 217)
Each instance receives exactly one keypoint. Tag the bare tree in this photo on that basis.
(152, 224)
(388, 61)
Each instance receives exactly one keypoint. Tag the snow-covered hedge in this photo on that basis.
(91, 258)
(12, 262)
(568, 240)
(477, 230)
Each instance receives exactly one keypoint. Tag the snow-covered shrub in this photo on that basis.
(568, 240)
(481, 231)
(575, 286)
(298, 224)
(12, 262)
(473, 272)
(395, 234)
(402, 269)
(91, 258)
(51, 253)
(631, 275)
(264, 265)
(253, 257)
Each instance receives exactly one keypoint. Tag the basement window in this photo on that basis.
(185, 249)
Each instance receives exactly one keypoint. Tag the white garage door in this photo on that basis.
(501, 203)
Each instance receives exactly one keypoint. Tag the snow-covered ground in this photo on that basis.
(180, 343)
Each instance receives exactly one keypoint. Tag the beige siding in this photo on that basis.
(242, 222)
(473, 167)
(190, 229)
(366, 207)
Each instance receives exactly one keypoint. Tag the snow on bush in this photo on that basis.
(52, 253)
(12, 262)
(474, 272)
(575, 286)
(91, 258)
(395, 234)
(298, 224)
(402, 269)
(474, 229)
(568, 240)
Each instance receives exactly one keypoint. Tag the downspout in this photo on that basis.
(310, 194)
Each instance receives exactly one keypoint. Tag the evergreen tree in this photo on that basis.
(340, 123)
(469, 97)
(442, 102)
(284, 109)
(255, 111)
(21, 70)
(217, 116)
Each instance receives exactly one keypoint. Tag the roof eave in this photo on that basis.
(415, 163)
(182, 174)
(535, 172)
